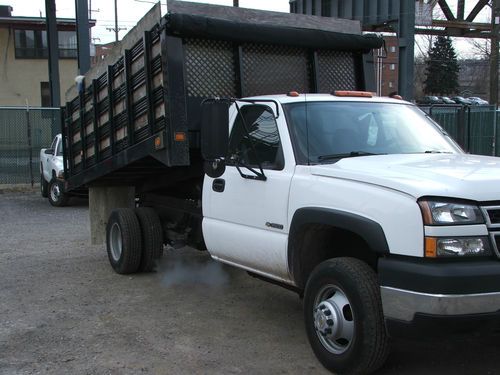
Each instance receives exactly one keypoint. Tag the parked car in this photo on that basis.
(477, 101)
(461, 100)
(446, 100)
(430, 100)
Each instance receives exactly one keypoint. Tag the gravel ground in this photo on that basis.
(64, 311)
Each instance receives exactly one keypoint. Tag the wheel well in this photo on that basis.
(315, 243)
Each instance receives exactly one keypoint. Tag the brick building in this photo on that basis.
(386, 66)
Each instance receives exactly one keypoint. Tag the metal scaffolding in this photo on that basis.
(399, 16)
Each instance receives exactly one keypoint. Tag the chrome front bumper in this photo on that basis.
(403, 304)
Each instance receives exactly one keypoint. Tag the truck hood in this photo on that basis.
(446, 175)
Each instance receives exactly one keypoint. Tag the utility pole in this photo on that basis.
(82, 36)
(116, 21)
(495, 28)
(53, 44)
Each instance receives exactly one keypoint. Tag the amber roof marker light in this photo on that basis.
(353, 94)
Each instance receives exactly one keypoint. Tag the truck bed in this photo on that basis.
(138, 123)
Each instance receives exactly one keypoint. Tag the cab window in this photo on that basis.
(261, 144)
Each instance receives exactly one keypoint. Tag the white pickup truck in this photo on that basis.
(52, 173)
(363, 205)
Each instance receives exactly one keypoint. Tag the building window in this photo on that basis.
(392, 67)
(313, 7)
(45, 94)
(293, 7)
(326, 6)
(32, 44)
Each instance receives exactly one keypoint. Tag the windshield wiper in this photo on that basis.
(351, 154)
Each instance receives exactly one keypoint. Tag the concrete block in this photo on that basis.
(103, 200)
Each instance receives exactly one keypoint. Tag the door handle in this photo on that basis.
(218, 185)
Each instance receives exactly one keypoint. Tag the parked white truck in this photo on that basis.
(362, 205)
(52, 173)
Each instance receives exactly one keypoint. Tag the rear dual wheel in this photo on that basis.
(133, 240)
(152, 238)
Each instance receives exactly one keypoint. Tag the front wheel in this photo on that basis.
(344, 318)
(44, 186)
(57, 197)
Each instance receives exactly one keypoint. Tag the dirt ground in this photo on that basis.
(64, 311)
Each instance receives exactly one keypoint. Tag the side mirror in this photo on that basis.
(214, 136)
(49, 151)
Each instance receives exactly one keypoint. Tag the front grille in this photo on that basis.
(492, 216)
(495, 240)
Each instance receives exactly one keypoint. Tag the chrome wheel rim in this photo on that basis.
(333, 319)
(55, 192)
(116, 242)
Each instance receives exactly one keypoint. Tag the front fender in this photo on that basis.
(370, 231)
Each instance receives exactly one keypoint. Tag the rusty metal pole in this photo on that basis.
(495, 28)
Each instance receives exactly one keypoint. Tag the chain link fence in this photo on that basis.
(474, 128)
(23, 132)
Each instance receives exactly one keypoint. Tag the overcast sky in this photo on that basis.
(130, 11)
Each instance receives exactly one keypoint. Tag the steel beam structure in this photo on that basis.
(83, 35)
(399, 16)
(53, 44)
(375, 15)
(406, 37)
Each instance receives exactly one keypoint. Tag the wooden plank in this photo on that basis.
(111, 110)
(149, 80)
(95, 115)
(128, 97)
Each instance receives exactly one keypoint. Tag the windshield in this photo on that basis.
(328, 131)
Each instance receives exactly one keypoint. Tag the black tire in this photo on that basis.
(366, 346)
(56, 195)
(44, 186)
(152, 238)
(123, 241)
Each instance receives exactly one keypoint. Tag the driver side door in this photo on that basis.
(245, 219)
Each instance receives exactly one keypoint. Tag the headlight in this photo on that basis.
(457, 247)
(446, 213)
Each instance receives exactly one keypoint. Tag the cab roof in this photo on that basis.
(285, 99)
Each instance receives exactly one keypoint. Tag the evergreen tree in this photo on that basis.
(442, 68)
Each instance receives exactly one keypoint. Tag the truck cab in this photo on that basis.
(363, 204)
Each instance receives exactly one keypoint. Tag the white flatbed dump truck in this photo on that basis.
(251, 135)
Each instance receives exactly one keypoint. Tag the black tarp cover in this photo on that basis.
(194, 26)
